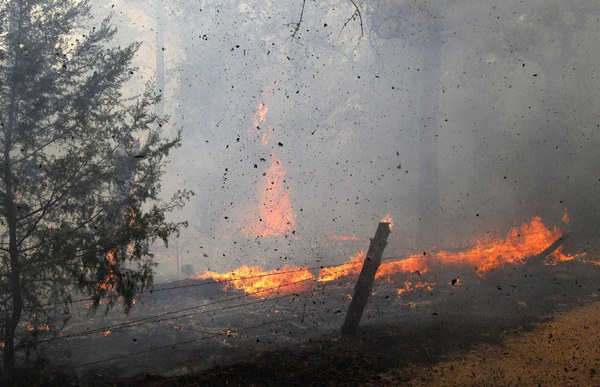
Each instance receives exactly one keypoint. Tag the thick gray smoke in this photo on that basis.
(459, 118)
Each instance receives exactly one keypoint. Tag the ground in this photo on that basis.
(560, 351)
(520, 324)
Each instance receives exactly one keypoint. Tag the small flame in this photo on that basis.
(265, 139)
(565, 217)
(388, 219)
(409, 286)
(106, 333)
(260, 115)
(231, 334)
(343, 237)
(109, 281)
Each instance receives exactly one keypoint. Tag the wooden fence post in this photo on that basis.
(365, 280)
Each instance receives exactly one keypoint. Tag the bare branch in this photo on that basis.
(297, 25)
(358, 13)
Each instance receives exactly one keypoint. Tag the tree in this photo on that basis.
(81, 166)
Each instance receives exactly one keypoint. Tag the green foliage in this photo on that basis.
(82, 161)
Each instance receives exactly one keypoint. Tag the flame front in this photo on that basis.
(520, 243)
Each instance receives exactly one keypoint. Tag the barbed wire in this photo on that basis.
(177, 314)
(210, 282)
(432, 255)
(174, 314)
(197, 339)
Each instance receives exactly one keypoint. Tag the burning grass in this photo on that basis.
(518, 245)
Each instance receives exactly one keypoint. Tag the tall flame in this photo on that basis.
(276, 212)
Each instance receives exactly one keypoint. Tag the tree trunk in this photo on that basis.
(14, 272)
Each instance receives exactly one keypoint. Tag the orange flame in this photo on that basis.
(352, 266)
(109, 281)
(565, 217)
(408, 286)
(106, 333)
(255, 280)
(44, 327)
(388, 219)
(276, 213)
(520, 243)
(260, 115)
(343, 237)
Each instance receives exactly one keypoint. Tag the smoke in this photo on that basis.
(461, 119)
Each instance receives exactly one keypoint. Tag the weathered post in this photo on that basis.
(367, 276)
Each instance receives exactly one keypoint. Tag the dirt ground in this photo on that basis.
(562, 351)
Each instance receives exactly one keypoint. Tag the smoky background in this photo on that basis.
(461, 119)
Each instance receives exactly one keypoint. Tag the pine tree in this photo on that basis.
(81, 166)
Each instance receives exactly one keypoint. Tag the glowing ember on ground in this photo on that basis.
(276, 213)
(44, 327)
(106, 333)
(344, 237)
(409, 286)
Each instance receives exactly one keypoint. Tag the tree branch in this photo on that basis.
(297, 25)
(358, 13)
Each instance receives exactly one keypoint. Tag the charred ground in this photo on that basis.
(296, 340)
